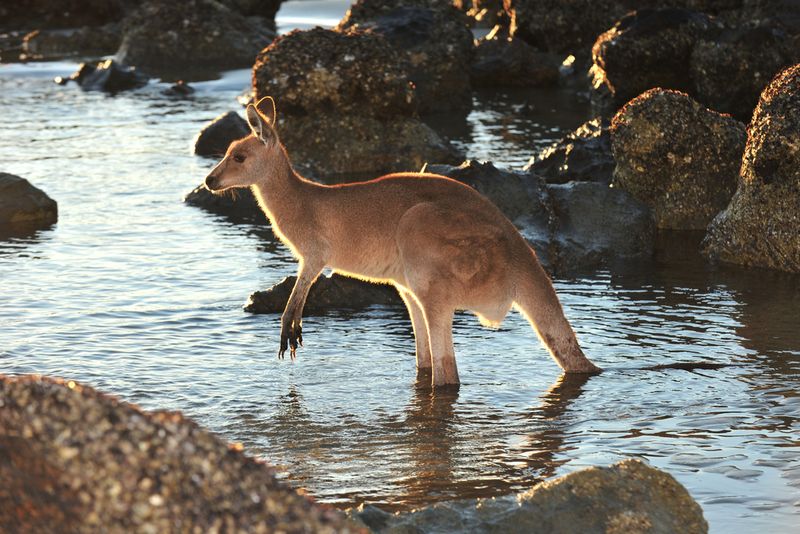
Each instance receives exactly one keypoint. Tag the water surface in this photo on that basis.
(137, 294)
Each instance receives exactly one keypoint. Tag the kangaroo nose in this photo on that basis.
(211, 182)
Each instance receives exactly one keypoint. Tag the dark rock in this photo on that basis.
(61, 13)
(435, 39)
(559, 26)
(108, 76)
(583, 155)
(645, 49)
(238, 205)
(677, 157)
(215, 138)
(349, 146)
(86, 41)
(509, 61)
(599, 226)
(179, 89)
(75, 460)
(628, 497)
(24, 207)
(761, 226)
(323, 71)
(345, 104)
(484, 13)
(729, 73)
(175, 38)
(255, 8)
(328, 293)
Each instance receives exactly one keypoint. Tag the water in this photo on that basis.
(140, 295)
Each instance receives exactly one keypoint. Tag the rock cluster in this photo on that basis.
(677, 157)
(761, 226)
(628, 497)
(75, 460)
(345, 104)
(24, 207)
(434, 38)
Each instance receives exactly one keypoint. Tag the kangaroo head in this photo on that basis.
(251, 159)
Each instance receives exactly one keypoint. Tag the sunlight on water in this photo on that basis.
(139, 295)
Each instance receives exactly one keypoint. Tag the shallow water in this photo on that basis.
(138, 294)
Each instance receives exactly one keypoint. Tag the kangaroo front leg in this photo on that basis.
(443, 355)
(421, 339)
(292, 318)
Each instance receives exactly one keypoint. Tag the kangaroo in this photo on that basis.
(443, 246)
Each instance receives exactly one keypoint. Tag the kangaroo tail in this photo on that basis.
(536, 298)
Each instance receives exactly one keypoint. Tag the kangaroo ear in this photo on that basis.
(266, 106)
(259, 125)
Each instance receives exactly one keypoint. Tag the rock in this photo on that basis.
(323, 71)
(86, 41)
(729, 73)
(628, 497)
(348, 147)
(677, 157)
(174, 38)
(583, 155)
(645, 49)
(266, 9)
(108, 76)
(179, 89)
(572, 227)
(239, 206)
(558, 26)
(345, 104)
(597, 226)
(760, 226)
(76, 460)
(435, 39)
(23, 206)
(61, 13)
(328, 293)
(510, 61)
(215, 138)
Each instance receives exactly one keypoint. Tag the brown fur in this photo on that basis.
(443, 245)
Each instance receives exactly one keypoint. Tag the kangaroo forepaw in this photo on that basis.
(291, 338)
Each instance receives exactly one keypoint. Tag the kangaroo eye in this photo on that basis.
(238, 158)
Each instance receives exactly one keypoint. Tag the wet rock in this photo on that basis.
(175, 38)
(215, 138)
(61, 13)
(109, 76)
(434, 37)
(349, 146)
(645, 49)
(238, 205)
(86, 41)
(178, 89)
(583, 155)
(629, 496)
(729, 73)
(760, 226)
(677, 157)
(75, 460)
(558, 26)
(510, 61)
(266, 9)
(23, 206)
(345, 104)
(597, 226)
(323, 71)
(328, 293)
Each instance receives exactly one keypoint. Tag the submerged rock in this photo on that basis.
(238, 205)
(510, 61)
(434, 38)
(628, 497)
(328, 293)
(584, 155)
(345, 104)
(645, 49)
(109, 76)
(677, 157)
(215, 137)
(23, 206)
(76, 460)
(761, 226)
(175, 38)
